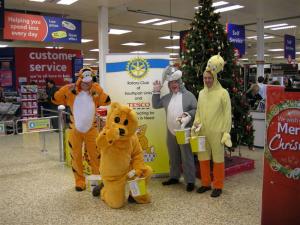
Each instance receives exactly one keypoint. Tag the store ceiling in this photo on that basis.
(125, 14)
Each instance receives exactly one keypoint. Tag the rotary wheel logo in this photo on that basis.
(137, 67)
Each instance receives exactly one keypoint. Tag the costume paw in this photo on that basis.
(131, 174)
(112, 134)
(185, 120)
(226, 140)
(139, 172)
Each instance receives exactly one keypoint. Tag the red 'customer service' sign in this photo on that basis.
(281, 182)
(37, 64)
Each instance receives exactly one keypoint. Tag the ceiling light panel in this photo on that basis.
(174, 37)
(83, 40)
(275, 25)
(164, 22)
(173, 47)
(275, 49)
(118, 31)
(228, 8)
(282, 28)
(150, 21)
(139, 52)
(66, 2)
(134, 43)
(94, 50)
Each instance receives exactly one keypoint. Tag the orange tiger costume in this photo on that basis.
(83, 126)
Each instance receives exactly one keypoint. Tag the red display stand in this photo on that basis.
(29, 101)
(281, 178)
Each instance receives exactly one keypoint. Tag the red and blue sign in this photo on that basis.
(28, 27)
(289, 47)
(236, 36)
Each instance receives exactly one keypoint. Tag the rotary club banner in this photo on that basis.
(129, 80)
(281, 181)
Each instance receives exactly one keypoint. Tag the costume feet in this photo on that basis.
(131, 199)
(190, 187)
(203, 189)
(170, 181)
(97, 190)
(79, 188)
(216, 193)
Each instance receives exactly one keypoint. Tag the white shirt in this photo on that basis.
(175, 109)
(262, 90)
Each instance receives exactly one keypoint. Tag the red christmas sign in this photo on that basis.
(281, 184)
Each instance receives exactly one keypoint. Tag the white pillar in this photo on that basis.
(260, 47)
(102, 42)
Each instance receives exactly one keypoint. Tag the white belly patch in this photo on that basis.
(84, 111)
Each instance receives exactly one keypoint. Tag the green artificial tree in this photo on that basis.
(207, 37)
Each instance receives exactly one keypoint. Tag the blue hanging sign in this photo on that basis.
(289, 47)
(236, 36)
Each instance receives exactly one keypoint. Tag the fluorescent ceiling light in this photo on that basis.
(134, 43)
(275, 49)
(264, 55)
(244, 59)
(139, 52)
(276, 25)
(278, 57)
(268, 37)
(37, 0)
(265, 37)
(118, 31)
(281, 28)
(86, 64)
(150, 21)
(175, 37)
(298, 53)
(173, 53)
(85, 40)
(89, 59)
(216, 4)
(66, 2)
(94, 50)
(164, 22)
(3, 46)
(173, 47)
(228, 8)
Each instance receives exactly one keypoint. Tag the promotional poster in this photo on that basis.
(281, 178)
(129, 80)
(28, 27)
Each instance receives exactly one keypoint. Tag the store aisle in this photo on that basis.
(37, 189)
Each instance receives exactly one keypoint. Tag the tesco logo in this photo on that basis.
(139, 105)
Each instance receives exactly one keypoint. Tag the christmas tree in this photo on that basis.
(207, 37)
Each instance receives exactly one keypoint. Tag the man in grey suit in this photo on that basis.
(180, 105)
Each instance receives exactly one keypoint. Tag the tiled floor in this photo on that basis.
(35, 188)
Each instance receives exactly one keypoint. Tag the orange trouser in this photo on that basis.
(75, 142)
(218, 174)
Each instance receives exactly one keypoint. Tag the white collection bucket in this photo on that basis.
(182, 136)
(137, 187)
(198, 144)
(92, 181)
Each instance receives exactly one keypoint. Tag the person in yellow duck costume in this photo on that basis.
(83, 98)
(121, 157)
(213, 120)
